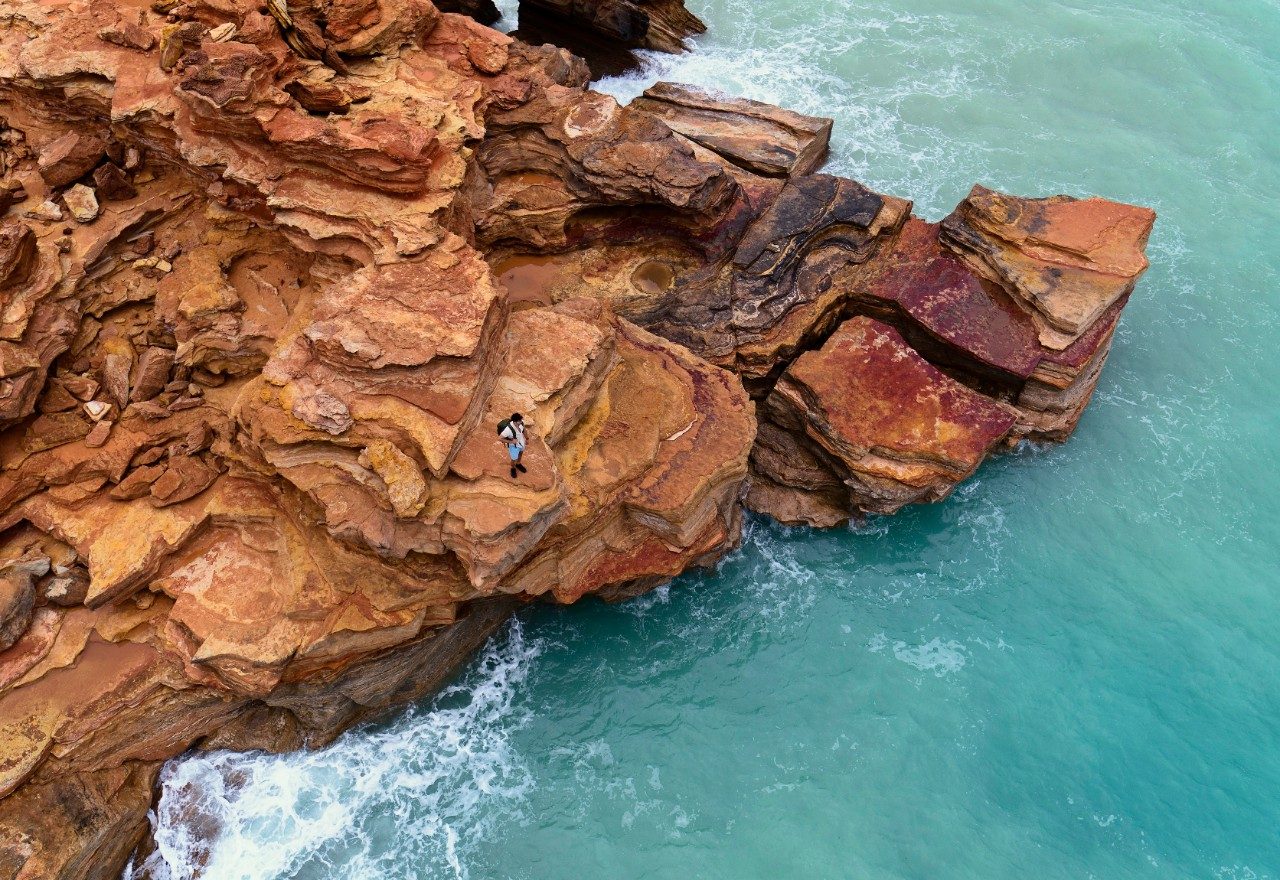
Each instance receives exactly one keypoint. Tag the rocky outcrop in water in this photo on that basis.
(759, 138)
(271, 276)
(662, 25)
(606, 33)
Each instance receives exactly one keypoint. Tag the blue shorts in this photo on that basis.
(514, 450)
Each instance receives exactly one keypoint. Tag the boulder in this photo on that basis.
(82, 202)
(892, 428)
(111, 183)
(662, 25)
(759, 137)
(18, 595)
(150, 373)
(1066, 260)
(70, 157)
(129, 34)
(606, 32)
(11, 193)
(483, 11)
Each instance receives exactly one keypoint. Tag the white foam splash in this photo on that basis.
(510, 10)
(1240, 872)
(762, 56)
(936, 656)
(343, 811)
(782, 584)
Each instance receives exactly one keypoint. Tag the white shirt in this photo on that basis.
(514, 431)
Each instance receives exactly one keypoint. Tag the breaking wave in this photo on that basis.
(756, 52)
(392, 801)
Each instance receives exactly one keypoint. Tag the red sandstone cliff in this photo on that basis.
(269, 279)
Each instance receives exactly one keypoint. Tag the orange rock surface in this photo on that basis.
(269, 279)
(757, 137)
(1066, 260)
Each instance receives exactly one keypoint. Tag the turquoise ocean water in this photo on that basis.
(1068, 670)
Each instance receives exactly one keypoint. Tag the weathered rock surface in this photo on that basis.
(892, 428)
(662, 25)
(250, 486)
(606, 33)
(1066, 260)
(761, 138)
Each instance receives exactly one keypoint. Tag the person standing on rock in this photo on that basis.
(511, 431)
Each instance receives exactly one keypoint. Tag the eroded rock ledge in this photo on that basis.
(270, 278)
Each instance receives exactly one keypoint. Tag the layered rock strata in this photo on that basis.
(759, 138)
(662, 25)
(270, 277)
(870, 410)
(794, 255)
(605, 32)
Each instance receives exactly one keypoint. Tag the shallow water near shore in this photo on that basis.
(1067, 670)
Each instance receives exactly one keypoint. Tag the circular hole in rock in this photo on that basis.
(653, 277)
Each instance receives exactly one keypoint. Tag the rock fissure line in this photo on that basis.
(269, 277)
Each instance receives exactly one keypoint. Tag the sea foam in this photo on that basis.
(342, 811)
(764, 57)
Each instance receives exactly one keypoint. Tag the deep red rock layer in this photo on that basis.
(270, 279)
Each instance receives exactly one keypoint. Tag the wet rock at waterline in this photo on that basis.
(269, 282)
(891, 428)
(605, 32)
